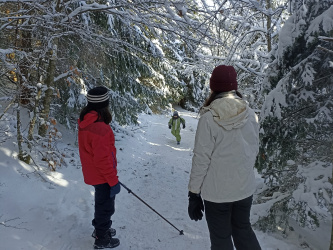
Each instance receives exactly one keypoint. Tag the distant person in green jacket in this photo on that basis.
(174, 125)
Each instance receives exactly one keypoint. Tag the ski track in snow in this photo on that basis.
(57, 214)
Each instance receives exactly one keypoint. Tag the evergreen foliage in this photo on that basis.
(130, 48)
(296, 120)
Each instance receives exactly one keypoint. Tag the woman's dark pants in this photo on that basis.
(104, 209)
(229, 222)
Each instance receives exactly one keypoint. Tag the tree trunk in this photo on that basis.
(22, 156)
(49, 92)
(19, 134)
(34, 118)
(331, 245)
(19, 83)
(269, 25)
(49, 81)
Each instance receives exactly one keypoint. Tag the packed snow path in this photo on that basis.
(56, 214)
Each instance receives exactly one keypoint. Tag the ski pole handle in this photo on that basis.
(128, 190)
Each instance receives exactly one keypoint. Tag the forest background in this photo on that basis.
(152, 54)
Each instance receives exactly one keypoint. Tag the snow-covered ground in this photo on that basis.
(53, 210)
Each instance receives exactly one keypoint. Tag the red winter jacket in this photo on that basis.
(97, 151)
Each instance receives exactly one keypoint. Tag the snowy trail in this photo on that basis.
(157, 175)
(57, 214)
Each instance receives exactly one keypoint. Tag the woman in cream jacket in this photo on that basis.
(225, 150)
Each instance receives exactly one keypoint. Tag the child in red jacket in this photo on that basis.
(99, 163)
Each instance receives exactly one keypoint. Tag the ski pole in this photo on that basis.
(130, 191)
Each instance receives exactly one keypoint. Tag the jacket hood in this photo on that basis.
(89, 118)
(229, 111)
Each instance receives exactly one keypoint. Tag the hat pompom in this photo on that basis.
(223, 79)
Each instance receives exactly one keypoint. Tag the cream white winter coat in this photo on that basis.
(225, 149)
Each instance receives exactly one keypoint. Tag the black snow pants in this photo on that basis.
(230, 222)
(104, 209)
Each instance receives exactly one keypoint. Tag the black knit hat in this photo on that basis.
(98, 97)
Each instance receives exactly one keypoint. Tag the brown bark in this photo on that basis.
(49, 81)
(269, 25)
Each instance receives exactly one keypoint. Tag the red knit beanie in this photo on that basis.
(223, 79)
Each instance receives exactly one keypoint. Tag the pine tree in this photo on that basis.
(297, 124)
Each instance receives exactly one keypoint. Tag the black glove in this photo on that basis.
(183, 126)
(169, 126)
(195, 206)
(114, 190)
